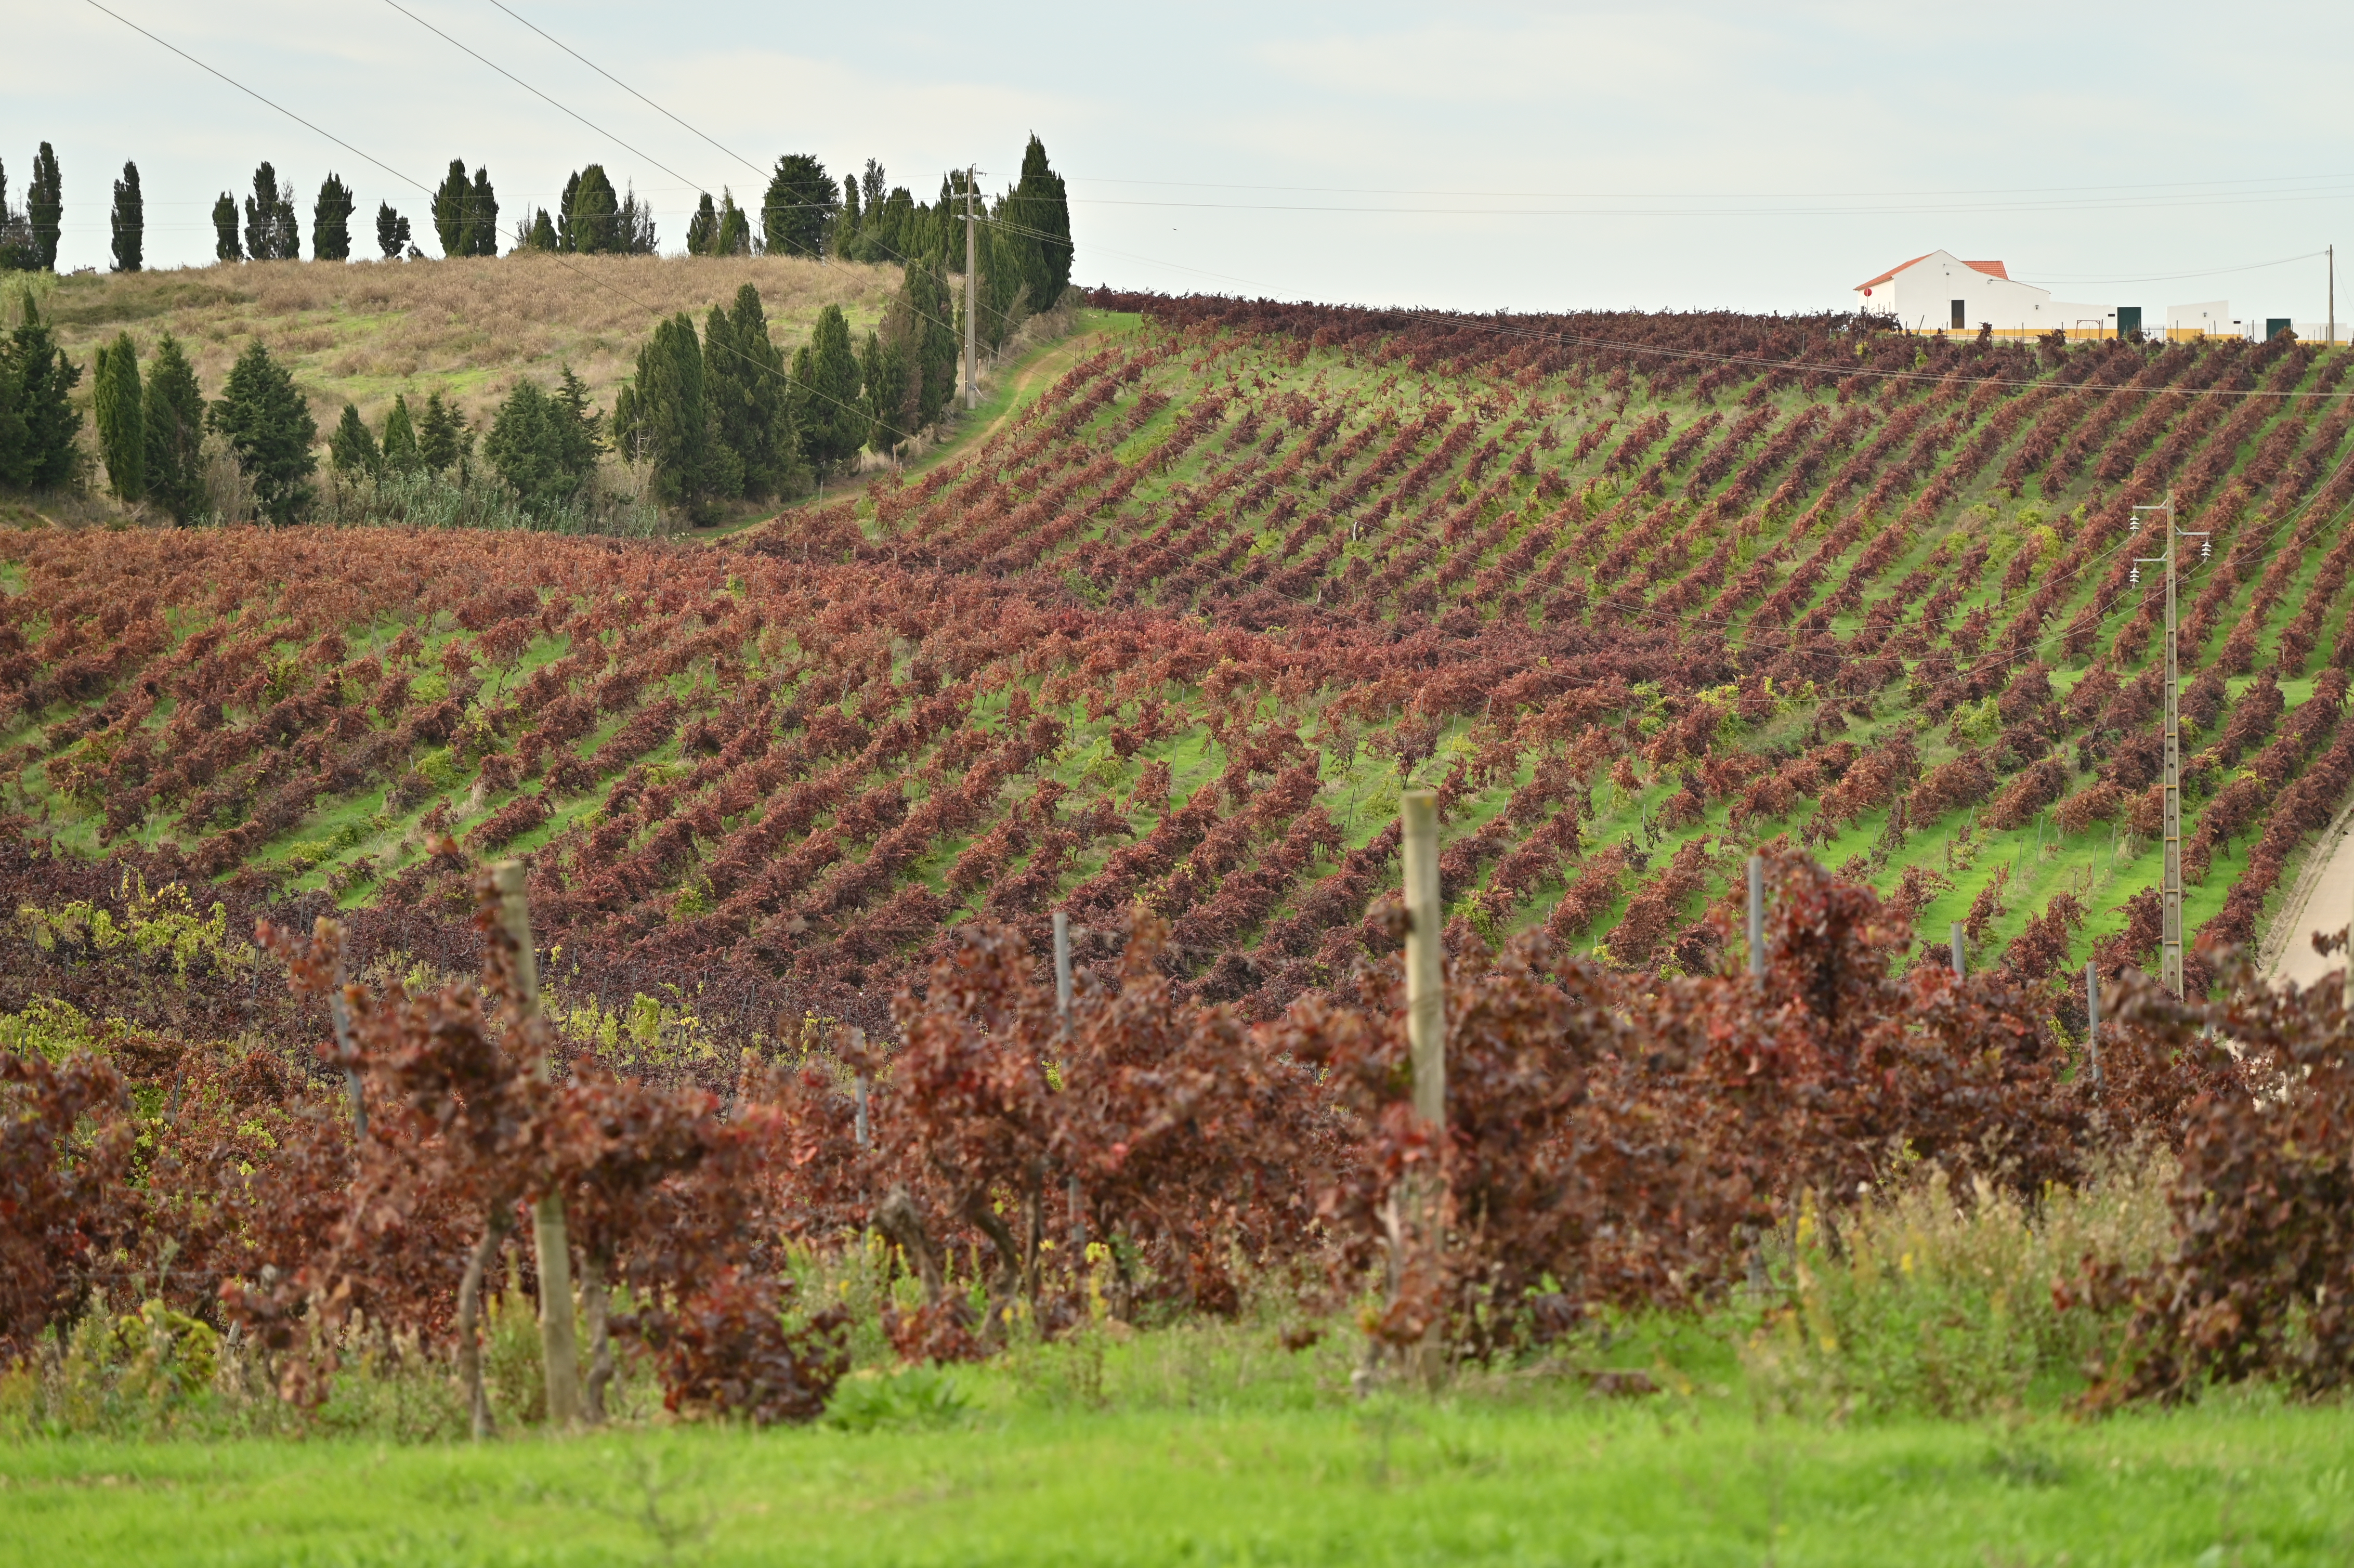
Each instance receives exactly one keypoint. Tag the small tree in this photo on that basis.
(826, 406)
(539, 234)
(269, 427)
(798, 211)
(44, 207)
(351, 449)
(174, 424)
(401, 439)
(129, 221)
(115, 398)
(331, 221)
(38, 422)
(391, 232)
(443, 439)
(225, 247)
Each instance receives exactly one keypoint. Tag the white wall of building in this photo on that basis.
(1921, 297)
(2212, 317)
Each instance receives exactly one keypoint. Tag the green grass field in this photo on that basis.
(1542, 1478)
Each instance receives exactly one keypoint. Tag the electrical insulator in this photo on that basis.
(2134, 577)
(2202, 549)
(2132, 525)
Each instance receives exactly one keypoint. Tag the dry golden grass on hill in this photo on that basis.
(368, 329)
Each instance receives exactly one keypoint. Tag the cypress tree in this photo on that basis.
(544, 446)
(542, 233)
(18, 252)
(826, 407)
(45, 206)
(331, 221)
(633, 226)
(271, 233)
(566, 240)
(702, 229)
(391, 232)
(1040, 212)
(351, 449)
(129, 221)
(799, 208)
(938, 350)
(225, 244)
(846, 227)
(725, 372)
(735, 236)
(883, 367)
(752, 397)
(270, 427)
(449, 209)
(442, 440)
(401, 439)
(481, 237)
(595, 208)
(38, 422)
(115, 398)
(174, 421)
(664, 417)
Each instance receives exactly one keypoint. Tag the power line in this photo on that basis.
(555, 257)
(624, 86)
(1713, 195)
(519, 81)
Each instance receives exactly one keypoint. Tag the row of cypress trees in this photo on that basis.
(151, 428)
(590, 218)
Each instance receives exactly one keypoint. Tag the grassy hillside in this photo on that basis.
(367, 331)
(1633, 593)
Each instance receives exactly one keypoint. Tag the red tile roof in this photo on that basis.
(1991, 268)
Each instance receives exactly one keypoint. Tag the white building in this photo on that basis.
(1942, 292)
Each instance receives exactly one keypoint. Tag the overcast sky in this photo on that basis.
(1669, 155)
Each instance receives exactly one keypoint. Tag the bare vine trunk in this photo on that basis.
(469, 1313)
(596, 1305)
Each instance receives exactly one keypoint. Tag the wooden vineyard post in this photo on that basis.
(1063, 1031)
(560, 1349)
(2093, 1017)
(1757, 917)
(1425, 979)
(1416, 1241)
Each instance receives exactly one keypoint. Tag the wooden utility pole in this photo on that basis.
(559, 1349)
(2169, 951)
(971, 271)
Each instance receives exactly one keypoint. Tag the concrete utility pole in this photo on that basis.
(1957, 942)
(2169, 951)
(971, 268)
(2330, 339)
(2093, 1016)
